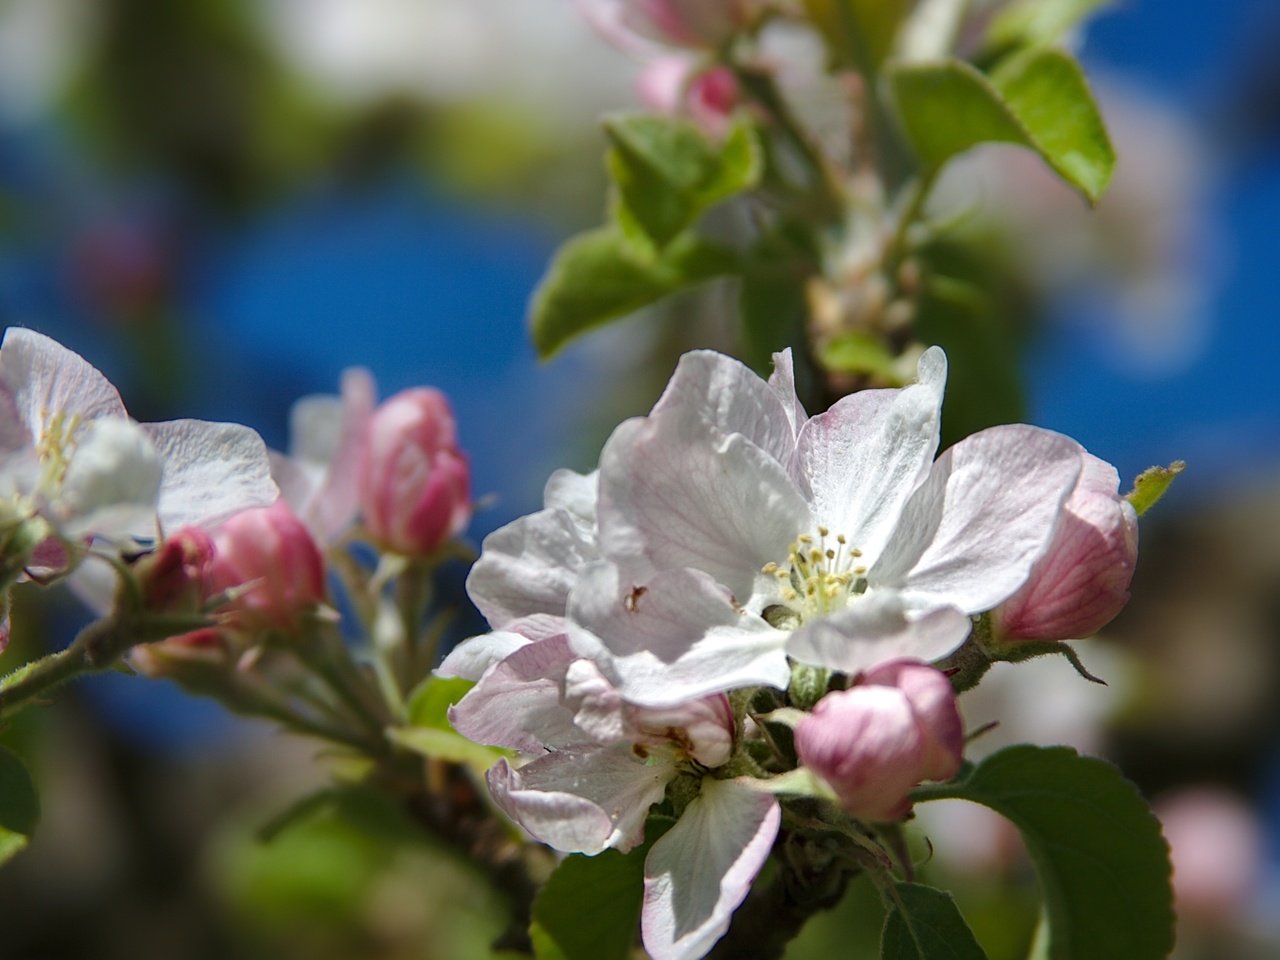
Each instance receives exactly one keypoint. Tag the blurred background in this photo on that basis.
(223, 203)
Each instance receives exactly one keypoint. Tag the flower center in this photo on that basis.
(55, 448)
(820, 576)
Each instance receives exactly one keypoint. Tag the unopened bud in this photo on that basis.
(876, 741)
(1082, 581)
(269, 565)
(415, 484)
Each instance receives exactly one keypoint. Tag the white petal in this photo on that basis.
(44, 378)
(574, 492)
(698, 873)
(517, 702)
(783, 383)
(671, 500)
(875, 628)
(677, 638)
(473, 656)
(862, 459)
(112, 482)
(582, 800)
(714, 395)
(528, 566)
(211, 471)
(970, 535)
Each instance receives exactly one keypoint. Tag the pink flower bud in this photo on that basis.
(874, 742)
(675, 86)
(687, 23)
(269, 552)
(1082, 581)
(415, 484)
(174, 578)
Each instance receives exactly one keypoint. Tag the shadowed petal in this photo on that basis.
(875, 628)
(582, 800)
(698, 873)
(677, 638)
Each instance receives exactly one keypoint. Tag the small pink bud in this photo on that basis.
(415, 484)
(268, 551)
(676, 86)
(699, 24)
(875, 741)
(1082, 581)
(174, 578)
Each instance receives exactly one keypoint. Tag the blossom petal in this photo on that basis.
(473, 656)
(529, 566)
(972, 532)
(698, 873)
(211, 471)
(862, 459)
(574, 492)
(670, 499)
(582, 800)
(783, 383)
(517, 703)
(333, 436)
(875, 628)
(676, 638)
(45, 378)
(715, 395)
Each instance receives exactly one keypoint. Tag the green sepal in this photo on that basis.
(599, 276)
(1102, 861)
(1151, 485)
(1038, 99)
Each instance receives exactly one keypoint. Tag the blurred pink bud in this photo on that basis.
(687, 23)
(270, 553)
(1082, 581)
(175, 576)
(1215, 843)
(875, 741)
(676, 86)
(415, 484)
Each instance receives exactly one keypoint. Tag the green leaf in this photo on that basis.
(668, 172)
(19, 805)
(590, 907)
(598, 276)
(859, 33)
(1151, 485)
(430, 701)
(1038, 100)
(855, 351)
(1102, 862)
(446, 745)
(1026, 23)
(925, 924)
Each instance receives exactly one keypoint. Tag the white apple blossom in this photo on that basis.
(592, 765)
(319, 477)
(70, 453)
(733, 532)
